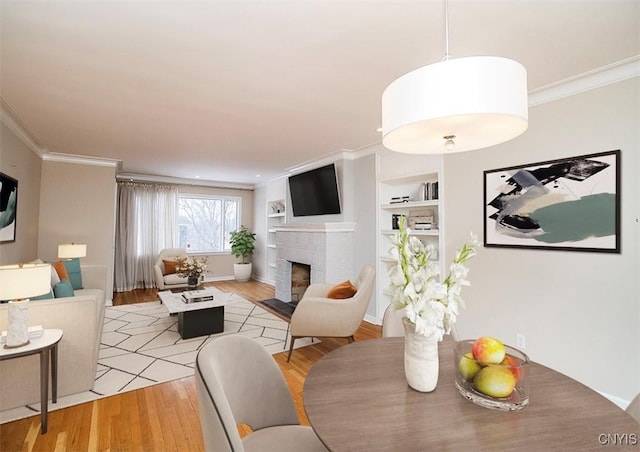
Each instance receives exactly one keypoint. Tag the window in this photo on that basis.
(204, 222)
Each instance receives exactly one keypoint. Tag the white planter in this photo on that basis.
(421, 362)
(242, 272)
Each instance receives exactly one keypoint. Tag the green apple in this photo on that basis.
(468, 367)
(488, 350)
(495, 381)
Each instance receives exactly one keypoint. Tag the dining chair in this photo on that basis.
(318, 316)
(392, 323)
(634, 408)
(239, 382)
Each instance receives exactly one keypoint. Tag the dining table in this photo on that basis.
(357, 399)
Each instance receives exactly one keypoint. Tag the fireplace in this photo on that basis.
(327, 248)
(300, 280)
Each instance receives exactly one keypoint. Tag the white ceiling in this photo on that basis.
(226, 90)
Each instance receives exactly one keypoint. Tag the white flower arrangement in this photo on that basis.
(191, 267)
(425, 302)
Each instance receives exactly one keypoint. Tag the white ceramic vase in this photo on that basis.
(421, 363)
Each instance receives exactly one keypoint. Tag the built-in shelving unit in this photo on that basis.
(406, 196)
(276, 216)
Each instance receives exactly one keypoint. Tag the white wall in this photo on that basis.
(579, 311)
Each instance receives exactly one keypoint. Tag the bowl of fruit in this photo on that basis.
(491, 374)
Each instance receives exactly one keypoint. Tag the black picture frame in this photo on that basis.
(8, 208)
(568, 204)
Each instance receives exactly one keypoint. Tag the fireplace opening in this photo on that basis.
(300, 280)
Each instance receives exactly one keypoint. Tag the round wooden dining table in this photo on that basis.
(357, 399)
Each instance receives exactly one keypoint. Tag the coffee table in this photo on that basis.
(197, 319)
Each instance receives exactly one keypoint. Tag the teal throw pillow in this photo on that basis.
(63, 289)
(73, 269)
(46, 296)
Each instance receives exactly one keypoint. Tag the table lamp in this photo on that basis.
(17, 283)
(72, 250)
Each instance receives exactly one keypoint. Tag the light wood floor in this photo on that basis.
(156, 418)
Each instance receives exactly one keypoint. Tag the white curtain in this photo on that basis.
(146, 223)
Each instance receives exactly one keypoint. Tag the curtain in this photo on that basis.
(146, 223)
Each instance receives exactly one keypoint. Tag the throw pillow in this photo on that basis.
(61, 270)
(73, 270)
(169, 266)
(63, 289)
(46, 296)
(341, 291)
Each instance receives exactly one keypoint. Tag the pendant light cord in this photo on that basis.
(446, 30)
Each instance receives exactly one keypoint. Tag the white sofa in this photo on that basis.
(80, 318)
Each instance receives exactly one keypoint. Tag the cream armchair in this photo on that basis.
(170, 281)
(317, 316)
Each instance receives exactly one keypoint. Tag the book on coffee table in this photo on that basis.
(195, 296)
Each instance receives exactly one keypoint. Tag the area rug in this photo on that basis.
(141, 347)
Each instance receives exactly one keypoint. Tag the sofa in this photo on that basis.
(80, 318)
(166, 280)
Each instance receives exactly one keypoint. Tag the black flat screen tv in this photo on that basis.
(315, 192)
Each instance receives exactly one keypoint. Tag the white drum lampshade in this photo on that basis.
(72, 250)
(18, 283)
(466, 103)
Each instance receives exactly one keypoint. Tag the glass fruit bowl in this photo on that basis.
(503, 386)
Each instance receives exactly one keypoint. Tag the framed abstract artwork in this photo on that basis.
(8, 208)
(570, 204)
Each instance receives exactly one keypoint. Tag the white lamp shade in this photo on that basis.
(71, 250)
(23, 281)
(481, 101)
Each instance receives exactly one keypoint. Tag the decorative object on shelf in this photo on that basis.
(192, 268)
(8, 208)
(569, 204)
(395, 218)
(72, 250)
(438, 108)
(242, 245)
(18, 283)
(429, 308)
(491, 374)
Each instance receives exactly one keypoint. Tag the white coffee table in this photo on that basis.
(197, 319)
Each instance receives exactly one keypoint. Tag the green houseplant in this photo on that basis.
(242, 244)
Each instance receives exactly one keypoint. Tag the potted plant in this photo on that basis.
(242, 245)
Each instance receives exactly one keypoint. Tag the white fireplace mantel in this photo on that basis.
(326, 247)
(317, 227)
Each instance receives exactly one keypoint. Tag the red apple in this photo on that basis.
(513, 366)
(495, 381)
(488, 350)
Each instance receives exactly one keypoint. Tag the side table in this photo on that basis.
(45, 345)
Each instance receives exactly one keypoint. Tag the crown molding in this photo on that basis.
(81, 160)
(13, 122)
(134, 177)
(596, 78)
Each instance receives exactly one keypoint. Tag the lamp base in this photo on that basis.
(18, 345)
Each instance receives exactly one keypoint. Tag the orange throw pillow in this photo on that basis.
(169, 266)
(61, 270)
(341, 291)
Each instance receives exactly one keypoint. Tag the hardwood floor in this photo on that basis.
(160, 417)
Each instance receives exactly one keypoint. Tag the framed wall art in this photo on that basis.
(570, 204)
(8, 208)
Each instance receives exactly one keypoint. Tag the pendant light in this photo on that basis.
(455, 105)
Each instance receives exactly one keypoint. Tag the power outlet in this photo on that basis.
(521, 341)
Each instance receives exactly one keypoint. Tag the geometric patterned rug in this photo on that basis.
(141, 347)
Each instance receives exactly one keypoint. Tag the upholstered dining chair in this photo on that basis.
(239, 382)
(634, 408)
(392, 323)
(167, 280)
(319, 316)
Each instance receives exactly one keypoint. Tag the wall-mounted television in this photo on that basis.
(315, 192)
